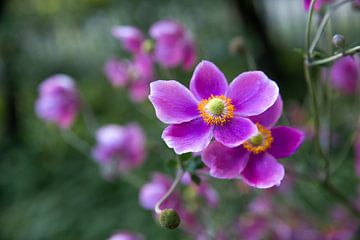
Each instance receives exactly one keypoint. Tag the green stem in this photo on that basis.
(180, 173)
(332, 58)
(308, 29)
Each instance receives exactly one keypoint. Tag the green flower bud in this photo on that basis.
(338, 41)
(169, 219)
(148, 45)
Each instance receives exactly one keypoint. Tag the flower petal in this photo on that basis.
(235, 132)
(252, 93)
(189, 55)
(207, 80)
(263, 171)
(286, 141)
(131, 37)
(191, 136)
(173, 103)
(225, 162)
(271, 115)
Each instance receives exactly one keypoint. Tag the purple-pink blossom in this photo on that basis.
(136, 75)
(255, 161)
(121, 147)
(172, 43)
(211, 107)
(125, 235)
(345, 74)
(58, 100)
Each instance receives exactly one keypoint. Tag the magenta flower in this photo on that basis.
(171, 43)
(153, 191)
(122, 147)
(131, 37)
(256, 160)
(135, 75)
(318, 4)
(58, 100)
(125, 235)
(211, 107)
(345, 74)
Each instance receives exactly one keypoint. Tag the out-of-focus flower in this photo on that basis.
(203, 190)
(125, 235)
(130, 37)
(211, 107)
(58, 100)
(121, 147)
(171, 44)
(356, 4)
(256, 160)
(318, 4)
(345, 74)
(153, 191)
(135, 75)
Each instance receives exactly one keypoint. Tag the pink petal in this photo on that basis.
(131, 37)
(345, 74)
(271, 115)
(252, 93)
(191, 136)
(173, 102)
(235, 132)
(286, 141)
(207, 80)
(263, 171)
(189, 55)
(225, 162)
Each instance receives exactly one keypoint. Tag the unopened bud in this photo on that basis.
(169, 219)
(338, 41)
(237, 45)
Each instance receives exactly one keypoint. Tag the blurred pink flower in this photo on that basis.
(203, 190)
(173, 45)
(124, 235)
(135, 75)
(58, 100)
(122, 147)
(318, 4)
(154, 190)
(345, 74)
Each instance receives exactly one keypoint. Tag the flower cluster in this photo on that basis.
(240, 117)
(170, 45)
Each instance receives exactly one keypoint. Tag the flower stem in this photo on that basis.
(77, 143)
(310, 84)
(350, 51)
(180, 173)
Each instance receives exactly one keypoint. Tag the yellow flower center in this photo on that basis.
(261, 142)
(216, 110)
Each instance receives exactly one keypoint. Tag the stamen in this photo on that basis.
(261, 142)
(216, 110)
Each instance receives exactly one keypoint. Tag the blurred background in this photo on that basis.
(51, 191)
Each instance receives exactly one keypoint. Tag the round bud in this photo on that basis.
(338, 40)
(237, 45)
(169, 219)
(257, 140)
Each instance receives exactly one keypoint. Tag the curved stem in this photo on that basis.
(77, 143)
(180, 173)
(308, 29)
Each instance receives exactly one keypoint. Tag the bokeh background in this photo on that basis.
(49, 190)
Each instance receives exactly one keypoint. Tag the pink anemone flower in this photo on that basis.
(255, 161)
(211, 107)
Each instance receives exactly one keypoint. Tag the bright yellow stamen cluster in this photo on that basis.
(210, 110)
(253, 145)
